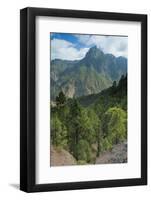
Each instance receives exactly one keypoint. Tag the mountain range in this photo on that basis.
(90, 75)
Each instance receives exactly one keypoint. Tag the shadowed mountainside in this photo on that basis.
(90, 75)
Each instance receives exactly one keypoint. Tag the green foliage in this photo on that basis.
(116, 95)
(83, 151)
(114, 84)
(74, 127)
(85, 131)
(81, 162)
(60, 99)
(82, 129)
(113, 126)
(59, 133)
(93, 126)
(106, 144)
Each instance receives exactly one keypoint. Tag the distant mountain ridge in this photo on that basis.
(90, 75)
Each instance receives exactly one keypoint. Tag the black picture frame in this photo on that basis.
(28, 99)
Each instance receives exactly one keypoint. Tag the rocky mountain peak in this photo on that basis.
(94, 52)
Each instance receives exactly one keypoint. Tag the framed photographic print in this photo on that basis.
(83, 95)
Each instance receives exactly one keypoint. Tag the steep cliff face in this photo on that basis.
(94, 73)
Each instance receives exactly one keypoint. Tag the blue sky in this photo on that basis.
(69, 46)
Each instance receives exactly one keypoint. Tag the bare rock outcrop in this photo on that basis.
(61, 157)
(118, 154)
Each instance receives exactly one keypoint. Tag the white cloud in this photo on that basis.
(84, 39)
(115, 45)
(65, 50)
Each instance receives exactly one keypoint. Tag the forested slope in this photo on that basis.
(89, 126)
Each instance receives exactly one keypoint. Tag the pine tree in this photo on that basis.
(114, 126)
(61, 99)
(74, 127)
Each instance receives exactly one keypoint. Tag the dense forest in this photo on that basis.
(90, 125)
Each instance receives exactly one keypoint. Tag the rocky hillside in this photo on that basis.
(94, 73)
(61, 157)
(117, 155)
